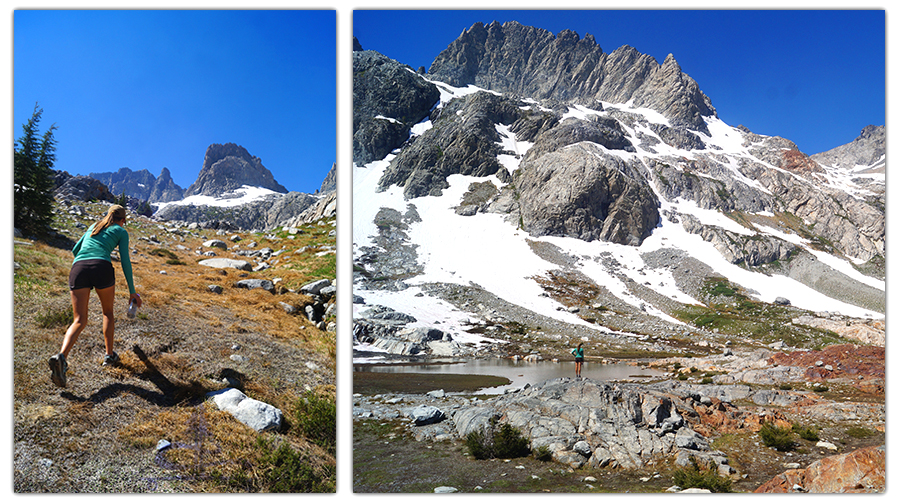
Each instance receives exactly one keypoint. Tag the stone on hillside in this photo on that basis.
(315, 287)
(255, 414)
(426, 415)
(252, 284)
(223, 263)
(215, 244)
(217, 289)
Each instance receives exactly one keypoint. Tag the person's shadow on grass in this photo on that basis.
(169, 393)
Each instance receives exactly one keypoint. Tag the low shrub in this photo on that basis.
(285, 470)
(543, 454)
(507, 442)
(806, 432)
(693, 477)
(55, 317)
(780, 438)
(316, 418)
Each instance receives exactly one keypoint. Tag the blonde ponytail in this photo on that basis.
(115, 214)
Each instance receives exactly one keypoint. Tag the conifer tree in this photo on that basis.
(33, 178)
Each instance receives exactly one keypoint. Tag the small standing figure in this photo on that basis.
(579, 359)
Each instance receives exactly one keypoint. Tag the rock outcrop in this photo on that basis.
(586, 193)
(597, 424)
(868, 149)
(80, 188)
(462, 140)
(260, 215)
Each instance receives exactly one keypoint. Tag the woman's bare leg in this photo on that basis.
(80, 298)
(107, 301)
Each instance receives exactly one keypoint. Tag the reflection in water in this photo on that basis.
(518, 372)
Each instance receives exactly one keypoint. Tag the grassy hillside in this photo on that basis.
(100, 433)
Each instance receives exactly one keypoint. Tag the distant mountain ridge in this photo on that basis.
(141, 184)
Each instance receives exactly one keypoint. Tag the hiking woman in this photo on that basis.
(92, 268)
(579, 359)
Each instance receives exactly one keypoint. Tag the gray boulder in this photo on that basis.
(252, 284)
(426, 415)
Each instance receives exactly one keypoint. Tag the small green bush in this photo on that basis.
(285, 470)
(780, 438)
(693, 477)
(543, 454)
(317, 419)
(805, 432)
(55, 317)
(507, 442)
(859, 432)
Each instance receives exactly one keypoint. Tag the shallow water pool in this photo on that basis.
(518, 373)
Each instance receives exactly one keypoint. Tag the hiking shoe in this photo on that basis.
(58, 369)
(110, 359)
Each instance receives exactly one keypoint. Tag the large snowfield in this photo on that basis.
(487, 251)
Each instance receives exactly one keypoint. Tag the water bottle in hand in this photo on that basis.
(132, 309)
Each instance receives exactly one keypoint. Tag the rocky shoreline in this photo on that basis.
(675, 419)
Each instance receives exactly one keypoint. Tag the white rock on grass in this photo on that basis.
(255, 414)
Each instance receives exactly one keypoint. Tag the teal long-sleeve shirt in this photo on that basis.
(100, 247)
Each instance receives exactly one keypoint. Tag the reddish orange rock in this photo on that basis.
(860, 471)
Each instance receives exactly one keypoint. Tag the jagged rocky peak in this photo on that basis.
(329, 184)
(227, 167)
(531, 61)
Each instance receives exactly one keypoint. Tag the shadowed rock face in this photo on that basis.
(388, 99)
(227, 167)
(531, 61)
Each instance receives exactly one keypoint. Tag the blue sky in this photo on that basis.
(153, 89)
(814, 77)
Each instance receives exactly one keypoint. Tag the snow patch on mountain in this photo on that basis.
(237, 197)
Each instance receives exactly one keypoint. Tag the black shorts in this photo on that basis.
(93, 273)
(579, 360)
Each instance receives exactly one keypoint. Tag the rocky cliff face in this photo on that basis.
(227, 167)
(141, 184)
(388, 99)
